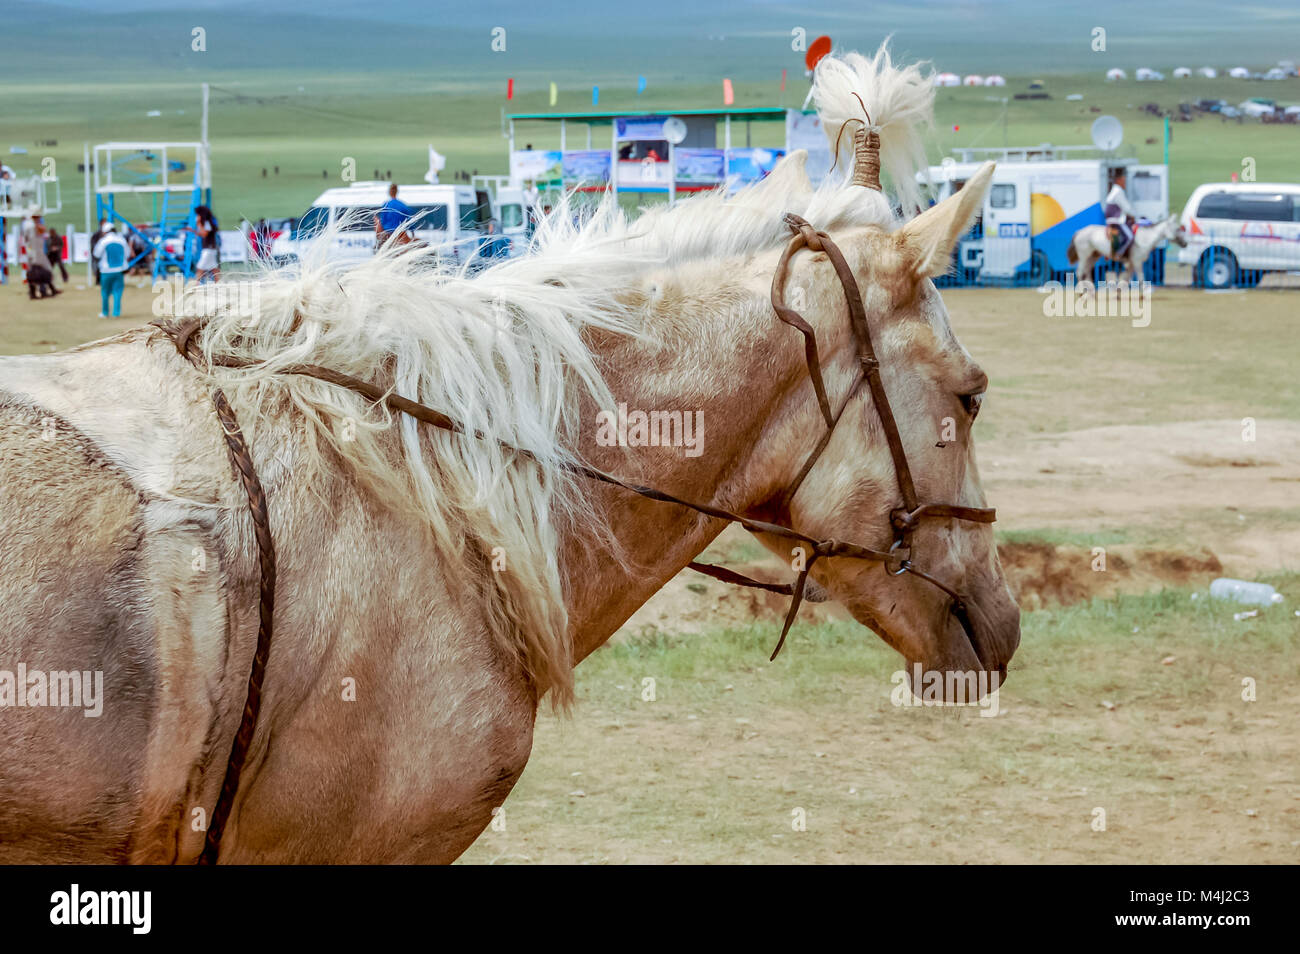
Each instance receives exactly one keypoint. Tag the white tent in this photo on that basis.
(947, 79)
(1239, 72)
(1116, 74)
(973, 80)
(1145, 74)
(995, 80)
(1276, 73)
(1182, 72)
(1209, 72)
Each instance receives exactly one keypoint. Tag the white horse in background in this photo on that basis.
(1093, 242)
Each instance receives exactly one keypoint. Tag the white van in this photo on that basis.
(512, 214)
(510, 209)
(1238, 231)
(456, 219)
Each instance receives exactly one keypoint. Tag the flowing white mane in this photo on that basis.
(502, 352)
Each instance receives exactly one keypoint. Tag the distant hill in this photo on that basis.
(664, 39)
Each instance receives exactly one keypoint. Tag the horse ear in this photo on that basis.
(931, 236)
(790, 174)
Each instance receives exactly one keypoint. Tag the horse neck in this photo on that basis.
(706, 362)
(1151, 236)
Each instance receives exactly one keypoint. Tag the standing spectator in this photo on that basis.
(40, 279)
(249, 231)
(113, 255)
(263, 238)
(54, 252)
(94, 242)
(205, 223)
(390, 217)
(141, 250)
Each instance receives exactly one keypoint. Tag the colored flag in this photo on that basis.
(554, 93)
(783, 81)
(728, 94)
(640, 85)
(510, 88)
(595, 96)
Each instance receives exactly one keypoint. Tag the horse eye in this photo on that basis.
(972, 402)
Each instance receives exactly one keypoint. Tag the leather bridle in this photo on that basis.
(904, 520)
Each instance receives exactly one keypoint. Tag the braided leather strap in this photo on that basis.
(241, 458)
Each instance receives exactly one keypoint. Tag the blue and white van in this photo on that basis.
(1035, 205)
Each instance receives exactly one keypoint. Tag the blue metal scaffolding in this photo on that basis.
(163, 191)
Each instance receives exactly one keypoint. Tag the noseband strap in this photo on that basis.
(903, 520)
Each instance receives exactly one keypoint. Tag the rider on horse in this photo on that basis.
(1119, 216)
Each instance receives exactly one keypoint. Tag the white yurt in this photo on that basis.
(1239, 72)
(947, 79)
(995, 80)
(1145, 74)
(973, 80)
(1116, 74)
(1209, 72)
(1182, 72)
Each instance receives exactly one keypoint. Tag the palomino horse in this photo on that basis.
(1093, 242)
(433, 586)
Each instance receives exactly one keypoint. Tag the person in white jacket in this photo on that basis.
(1119, 215)
(113, 256)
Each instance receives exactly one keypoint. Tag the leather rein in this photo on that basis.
(903, 520)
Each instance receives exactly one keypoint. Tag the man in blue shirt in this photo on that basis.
(390, 217)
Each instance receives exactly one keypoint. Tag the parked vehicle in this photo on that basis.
(1239, 231)
(1036, 204)
(456, 219)
(509, 209)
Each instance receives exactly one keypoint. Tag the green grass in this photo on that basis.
(1203, 357)
(1056, 536)
(1096, 713)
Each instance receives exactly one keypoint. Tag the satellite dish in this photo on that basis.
(674, 130)
(1107, 133)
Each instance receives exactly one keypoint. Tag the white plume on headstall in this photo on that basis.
(900, 101)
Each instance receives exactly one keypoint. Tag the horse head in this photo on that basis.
(1175, 232)
(931, 389)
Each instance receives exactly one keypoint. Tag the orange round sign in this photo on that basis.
(819, 48)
